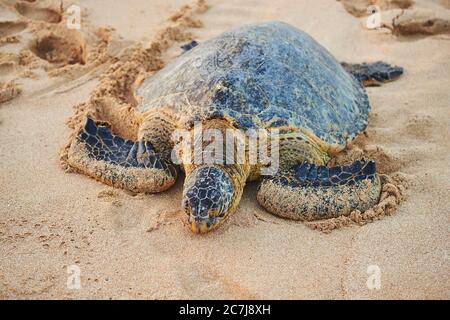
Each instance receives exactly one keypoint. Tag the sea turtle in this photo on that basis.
(268, 76)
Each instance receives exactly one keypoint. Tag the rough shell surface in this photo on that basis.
(265, 75)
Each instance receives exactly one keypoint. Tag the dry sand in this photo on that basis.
(135, 246)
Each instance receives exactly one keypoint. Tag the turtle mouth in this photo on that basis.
(202, 224)
(202, 221)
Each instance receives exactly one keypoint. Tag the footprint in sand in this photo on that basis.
(33, 12)
(60, 48)
(131, 212)
(358, 8)
(8, 91)
(420, 126)
(41, 40)
(202, 280)
(421, 22)
(52, 41)
(8, 87)
(6, 69)
(10, 28)
(407, 17)
(10, 22)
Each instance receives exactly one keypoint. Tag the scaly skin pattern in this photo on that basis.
(121, 163)
(266, 76)
(212, 192)
(209, 197)
(310, 192)
(303, 191)
(373, 74)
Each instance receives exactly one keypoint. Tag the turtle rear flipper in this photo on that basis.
(373, 74)
(126, 164)
(311, 192)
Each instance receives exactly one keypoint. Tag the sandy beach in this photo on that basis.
(135, 246)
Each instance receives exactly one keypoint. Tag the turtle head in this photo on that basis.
(208, 197)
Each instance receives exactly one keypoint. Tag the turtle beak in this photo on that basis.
(202, 225)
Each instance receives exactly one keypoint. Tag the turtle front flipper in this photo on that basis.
(373, 74)
(135, 166)
(311, 192)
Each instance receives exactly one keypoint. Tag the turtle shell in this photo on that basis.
(261, 76)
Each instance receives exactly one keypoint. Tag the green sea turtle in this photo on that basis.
(265, 76)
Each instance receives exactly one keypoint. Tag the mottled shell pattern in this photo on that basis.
(261, 76)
